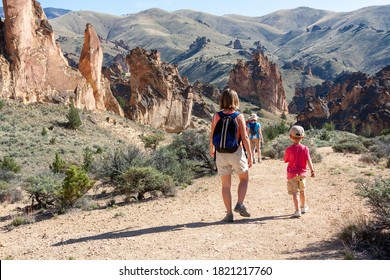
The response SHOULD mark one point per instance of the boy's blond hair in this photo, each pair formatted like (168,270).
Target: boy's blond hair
(229,100)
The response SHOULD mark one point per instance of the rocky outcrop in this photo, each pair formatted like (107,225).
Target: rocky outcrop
(38,71)
(159,96)
(259,81)
(90,65)
(353,102)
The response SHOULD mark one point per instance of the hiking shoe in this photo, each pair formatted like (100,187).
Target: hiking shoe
(241,209)
(228,218)
(297,214)
(304,209)
(259,160)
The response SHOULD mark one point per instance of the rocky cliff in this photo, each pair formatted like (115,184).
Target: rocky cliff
(33,68)
(260,82)
(352,102)
(159,96)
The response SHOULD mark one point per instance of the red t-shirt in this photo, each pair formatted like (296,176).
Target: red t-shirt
(297,156)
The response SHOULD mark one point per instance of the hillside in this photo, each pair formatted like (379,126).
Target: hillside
(323,41)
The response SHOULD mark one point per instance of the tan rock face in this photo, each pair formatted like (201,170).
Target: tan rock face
(90,65)
(259,81)
(354,102)
(38,69)
(159,96)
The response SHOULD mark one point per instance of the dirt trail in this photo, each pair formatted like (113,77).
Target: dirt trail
(188,226)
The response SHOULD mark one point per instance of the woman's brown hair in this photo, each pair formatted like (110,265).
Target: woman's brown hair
(229,100)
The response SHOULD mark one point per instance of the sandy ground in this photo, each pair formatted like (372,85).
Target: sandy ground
(188,226)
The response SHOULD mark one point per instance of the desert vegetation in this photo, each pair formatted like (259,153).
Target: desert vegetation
(101,164)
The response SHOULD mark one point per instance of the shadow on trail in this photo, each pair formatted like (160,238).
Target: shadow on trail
(125,233)
(322,250)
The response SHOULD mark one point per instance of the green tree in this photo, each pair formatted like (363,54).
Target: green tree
(73,117)
(58,164)
(75,185)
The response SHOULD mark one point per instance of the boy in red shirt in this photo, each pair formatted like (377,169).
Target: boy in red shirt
(298,156)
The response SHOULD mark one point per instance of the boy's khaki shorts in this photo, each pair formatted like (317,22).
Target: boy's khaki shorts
(296,184)
(229,162)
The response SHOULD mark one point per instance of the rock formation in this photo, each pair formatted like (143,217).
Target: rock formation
(353,102)
(159,96)
(37,70)
(259,81)
(90,65)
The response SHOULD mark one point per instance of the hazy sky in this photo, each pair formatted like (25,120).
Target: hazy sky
(215,7)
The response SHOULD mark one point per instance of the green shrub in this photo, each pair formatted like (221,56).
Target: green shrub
(372,236)
(193,145)
(44,188)
(272,131)
(141,180)
(121,101)
(329,126)
(1,104)
(350,145)
(276,148)
(151,141)
(9,164)
(369,159)
(114,164)
(87,160)
(73,117)
(378,198)
(9,193)
(75,185)
(22,220)
(58,165)
(168,161)
(44,131)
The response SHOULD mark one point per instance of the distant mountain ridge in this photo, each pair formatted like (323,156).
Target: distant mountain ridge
(308,45)
(50,13)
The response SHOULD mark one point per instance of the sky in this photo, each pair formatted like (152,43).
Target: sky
(215,7)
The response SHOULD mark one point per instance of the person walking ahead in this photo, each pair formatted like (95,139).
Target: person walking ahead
(229,152)
(298,157)
(255,136)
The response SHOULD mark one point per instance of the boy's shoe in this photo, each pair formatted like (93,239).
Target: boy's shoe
(297,214)
(228,218)
(304,209)
(241,209)
(259,160)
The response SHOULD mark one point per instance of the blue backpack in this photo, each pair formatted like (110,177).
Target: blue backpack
(225,137)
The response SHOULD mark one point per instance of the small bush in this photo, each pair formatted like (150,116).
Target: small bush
(113,165)
(73,117)
(9,164)
(88,160)
(351,145)
(22,220)
(329,127)
(369,159)
(378,198)
(58,165)
(44,188)
(141,180)
(152,141)
(1,104)
(9,193)
(273,131)
(75,185)
(372,236)
(192,145)
(44,131)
